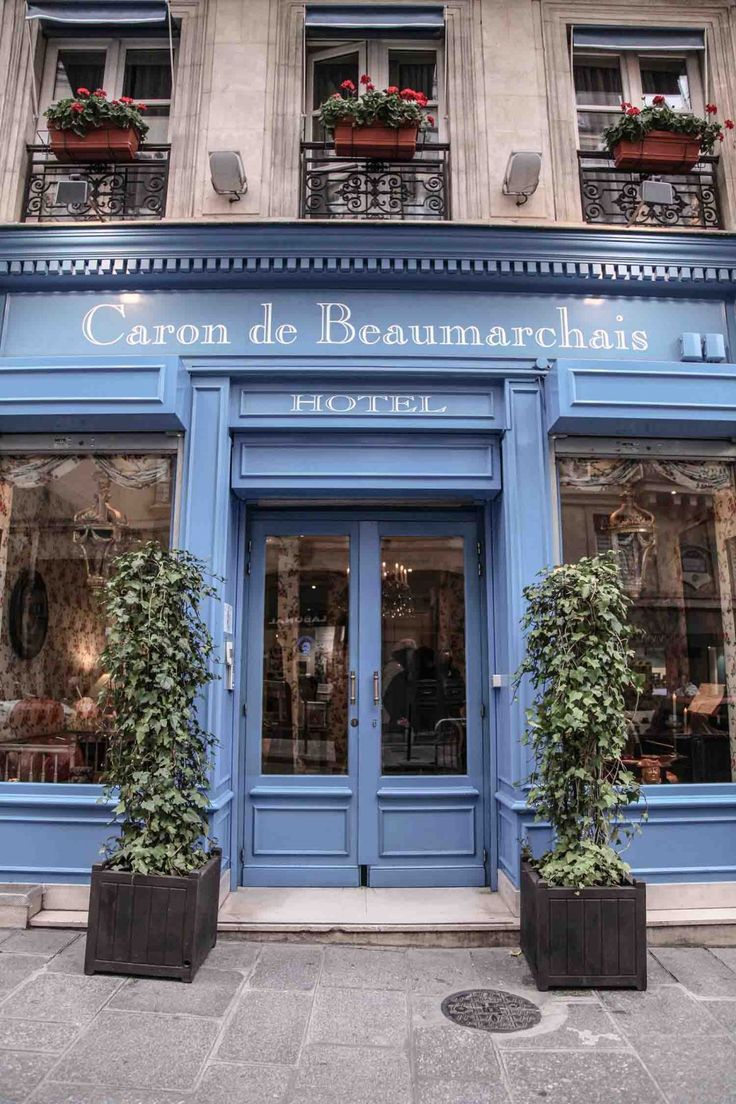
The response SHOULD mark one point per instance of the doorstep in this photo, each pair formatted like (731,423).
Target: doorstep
(430,917)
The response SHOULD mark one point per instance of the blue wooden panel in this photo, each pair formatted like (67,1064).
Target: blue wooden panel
(428,463)
(426,829)
(666,397)
(98,393)
(688,837)
(299,829)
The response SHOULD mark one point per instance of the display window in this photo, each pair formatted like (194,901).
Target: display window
(672,525)
(63,520)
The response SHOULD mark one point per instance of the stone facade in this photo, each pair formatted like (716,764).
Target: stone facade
(239,86)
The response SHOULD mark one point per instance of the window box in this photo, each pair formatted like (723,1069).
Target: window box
(660,151)
(375,141)
(584,938)
(105,143)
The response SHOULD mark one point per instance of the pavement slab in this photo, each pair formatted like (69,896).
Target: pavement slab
(365,968)
(287,966)
(561,1077)
(669,1011)
(63,998)
(54,1092)
(243,1084)
(139,1050)
(358,1075)
(460,1092)
(39,941)
(452,1053)
(441,971)
(21,1071)
(267,1026)
(359,1017)
(702,1072)
(578,1027)
(233,954)
(699,970)
(32,1035)
(209,994)
(14,969)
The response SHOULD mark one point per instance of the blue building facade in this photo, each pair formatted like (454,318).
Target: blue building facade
(375,436)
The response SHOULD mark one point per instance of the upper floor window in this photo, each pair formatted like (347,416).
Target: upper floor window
(405,64)
(603,81)
(633,64)
(122,67)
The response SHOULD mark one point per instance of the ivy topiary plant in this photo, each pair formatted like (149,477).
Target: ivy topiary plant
(158,655)
(578,660)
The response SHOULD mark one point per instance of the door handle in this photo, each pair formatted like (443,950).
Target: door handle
(376,689)
(352,688)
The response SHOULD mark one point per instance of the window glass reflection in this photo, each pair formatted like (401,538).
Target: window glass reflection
(423,655)
(673,526)
(63,519)
(305,655)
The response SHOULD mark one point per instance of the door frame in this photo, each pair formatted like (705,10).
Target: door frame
(414,515)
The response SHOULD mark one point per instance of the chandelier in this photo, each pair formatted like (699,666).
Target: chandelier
(97,529)
(632,539)
(398,600)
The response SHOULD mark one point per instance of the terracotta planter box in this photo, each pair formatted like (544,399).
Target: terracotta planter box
(380,142)
(584,938)
(152,925)
(660,152)
(100,144)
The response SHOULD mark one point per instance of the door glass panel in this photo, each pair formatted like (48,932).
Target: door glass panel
(423,675)
(305,655)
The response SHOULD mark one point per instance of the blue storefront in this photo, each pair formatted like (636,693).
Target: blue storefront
(375,436)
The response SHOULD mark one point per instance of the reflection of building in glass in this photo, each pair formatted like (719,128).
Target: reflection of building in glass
(682,516)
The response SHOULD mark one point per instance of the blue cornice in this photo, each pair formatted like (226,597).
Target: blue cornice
(191,254)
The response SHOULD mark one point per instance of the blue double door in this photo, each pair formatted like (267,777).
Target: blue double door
(364,711)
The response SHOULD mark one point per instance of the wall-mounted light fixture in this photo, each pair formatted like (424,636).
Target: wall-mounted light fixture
(522,175)
(228,174)
(656,192)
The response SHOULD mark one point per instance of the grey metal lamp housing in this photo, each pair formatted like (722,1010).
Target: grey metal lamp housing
(228,174)
(522,174)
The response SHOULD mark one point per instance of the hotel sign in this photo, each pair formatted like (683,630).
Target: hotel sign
(388,325)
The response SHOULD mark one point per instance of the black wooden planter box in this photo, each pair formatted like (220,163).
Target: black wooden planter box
(152,925)
(589,938)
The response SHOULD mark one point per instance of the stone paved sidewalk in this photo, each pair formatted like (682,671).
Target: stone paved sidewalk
(278,1023)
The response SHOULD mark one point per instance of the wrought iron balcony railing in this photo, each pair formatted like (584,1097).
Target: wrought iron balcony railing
(95,191)
(358,188)
(612,195)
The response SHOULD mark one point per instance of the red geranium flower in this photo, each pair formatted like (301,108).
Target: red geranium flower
(141,107)
(83,92)
(370,87)
(729,124)
(633,111)
(408,94)
(657,100)
(721,137)
(365,79)
(77,107)
(99,92)
(430,120)
(624,105)
(126,99)
(711,109)
(348,86)
(392,90)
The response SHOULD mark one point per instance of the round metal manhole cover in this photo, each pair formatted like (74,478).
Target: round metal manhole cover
(491,1010)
